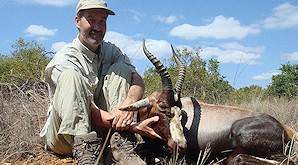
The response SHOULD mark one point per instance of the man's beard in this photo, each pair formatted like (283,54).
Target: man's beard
(93,38)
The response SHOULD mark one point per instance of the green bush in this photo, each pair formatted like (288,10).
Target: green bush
(247,94)
(285,84)
(26,62)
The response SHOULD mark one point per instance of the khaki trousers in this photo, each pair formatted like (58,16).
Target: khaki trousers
(69,111)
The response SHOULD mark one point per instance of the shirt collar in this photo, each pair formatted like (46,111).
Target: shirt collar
(86,51)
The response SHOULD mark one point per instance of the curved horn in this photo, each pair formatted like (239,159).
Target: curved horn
(136,106)
(181,74)
(160,68)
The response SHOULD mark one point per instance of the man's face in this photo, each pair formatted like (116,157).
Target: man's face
(92,27)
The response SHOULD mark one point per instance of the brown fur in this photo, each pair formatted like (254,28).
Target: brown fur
(291,132)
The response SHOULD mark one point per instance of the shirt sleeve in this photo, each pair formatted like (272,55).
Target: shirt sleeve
(58,69)
(55,75)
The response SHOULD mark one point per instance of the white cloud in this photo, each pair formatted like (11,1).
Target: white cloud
(290,56)
(167,20)
(58,45)
(233,53)
(284,16)
(225,53)
(58,3)
(237,46)
(265,76)
(40,31)
(133,48)
(220,28)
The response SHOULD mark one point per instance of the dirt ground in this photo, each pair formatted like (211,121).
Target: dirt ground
(44,159)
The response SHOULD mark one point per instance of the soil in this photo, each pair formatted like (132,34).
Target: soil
(44,159)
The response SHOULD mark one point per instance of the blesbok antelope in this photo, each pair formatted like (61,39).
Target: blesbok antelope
(245,133)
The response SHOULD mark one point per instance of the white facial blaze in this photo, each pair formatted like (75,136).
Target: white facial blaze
(176,129)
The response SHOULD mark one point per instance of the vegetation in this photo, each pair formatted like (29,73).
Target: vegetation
(26,63)
(204,81)
(23,100)
(247,94)
(285,84)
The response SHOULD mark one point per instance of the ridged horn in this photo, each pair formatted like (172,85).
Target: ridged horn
(160,68)
(136,106)
(181,74)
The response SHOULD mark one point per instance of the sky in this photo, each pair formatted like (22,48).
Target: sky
(250,38)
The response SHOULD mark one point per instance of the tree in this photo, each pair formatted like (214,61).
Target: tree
(26,63)
(285,84)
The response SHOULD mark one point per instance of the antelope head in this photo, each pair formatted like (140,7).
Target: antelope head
(165,103)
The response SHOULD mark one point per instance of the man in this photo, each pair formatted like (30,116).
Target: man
(86,78)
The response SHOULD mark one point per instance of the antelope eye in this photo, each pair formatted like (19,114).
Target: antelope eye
(163,105)
(163,108)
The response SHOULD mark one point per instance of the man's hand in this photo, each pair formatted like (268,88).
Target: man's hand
(122,120)
(143,127)
(100,118)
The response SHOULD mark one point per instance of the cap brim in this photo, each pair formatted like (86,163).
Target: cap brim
(109,11)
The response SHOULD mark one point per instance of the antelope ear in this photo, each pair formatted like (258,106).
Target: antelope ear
(136,106)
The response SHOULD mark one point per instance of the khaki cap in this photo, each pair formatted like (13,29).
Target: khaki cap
(93,4)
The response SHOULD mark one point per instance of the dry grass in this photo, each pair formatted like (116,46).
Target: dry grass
(22,114)
(286,111)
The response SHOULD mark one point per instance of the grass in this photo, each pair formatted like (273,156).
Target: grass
(289,151)
(22,115)
(204,155)
(285,111)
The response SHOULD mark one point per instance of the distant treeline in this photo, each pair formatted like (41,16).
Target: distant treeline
(203,80)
